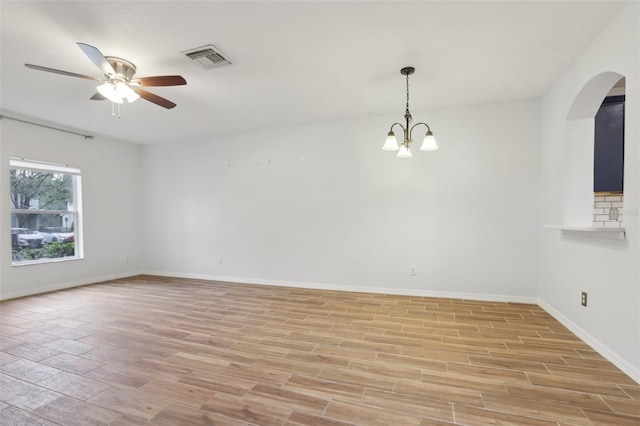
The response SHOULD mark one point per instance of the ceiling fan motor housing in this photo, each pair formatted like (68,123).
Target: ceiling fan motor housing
(123,68)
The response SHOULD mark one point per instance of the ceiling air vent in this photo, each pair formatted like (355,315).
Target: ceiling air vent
(207,57)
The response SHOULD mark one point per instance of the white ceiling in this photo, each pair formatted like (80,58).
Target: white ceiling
(293,62)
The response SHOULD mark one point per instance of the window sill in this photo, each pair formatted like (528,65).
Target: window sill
(607,233)
(43,261)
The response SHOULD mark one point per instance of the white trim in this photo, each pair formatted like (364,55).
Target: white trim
(351,288)
(45,260)
(22,163)
(78,220)
(62,286)
(590,232)
(609,233)
(629,369)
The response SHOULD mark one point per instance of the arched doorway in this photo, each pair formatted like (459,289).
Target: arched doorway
(580,206)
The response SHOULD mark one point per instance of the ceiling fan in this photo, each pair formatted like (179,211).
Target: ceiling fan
(118,84)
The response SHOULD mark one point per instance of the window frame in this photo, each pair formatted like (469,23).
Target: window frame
(76,175)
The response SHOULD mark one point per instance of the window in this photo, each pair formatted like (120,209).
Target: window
(46,206)
(608,167)
(608,160)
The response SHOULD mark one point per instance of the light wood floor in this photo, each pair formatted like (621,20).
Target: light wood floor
(149,350)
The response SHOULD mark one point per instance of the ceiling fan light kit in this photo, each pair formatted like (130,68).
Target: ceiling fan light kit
(404,149)
(117,92)
(117,89)
(118,84)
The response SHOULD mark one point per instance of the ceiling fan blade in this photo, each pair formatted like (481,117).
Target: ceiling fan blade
(153,98)
(53,70)
(97,58)
(162,80)
(98,97)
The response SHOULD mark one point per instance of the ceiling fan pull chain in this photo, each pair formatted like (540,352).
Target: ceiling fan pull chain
(113,109)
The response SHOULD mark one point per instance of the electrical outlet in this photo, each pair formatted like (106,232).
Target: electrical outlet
(583,299)
(412,270)
(220,260)
(613,213)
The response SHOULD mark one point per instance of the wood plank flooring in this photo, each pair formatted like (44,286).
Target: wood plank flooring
(159,351)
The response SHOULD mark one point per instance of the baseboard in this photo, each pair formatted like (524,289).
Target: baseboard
(351,288)
(62,286)
(629,369)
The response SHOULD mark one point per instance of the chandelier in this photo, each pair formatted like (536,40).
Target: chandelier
(391,143)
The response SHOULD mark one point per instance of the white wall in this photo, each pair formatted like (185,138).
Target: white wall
(321,205)
(607,270)
(111,201)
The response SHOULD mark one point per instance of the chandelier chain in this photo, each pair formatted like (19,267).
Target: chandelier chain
(407,114)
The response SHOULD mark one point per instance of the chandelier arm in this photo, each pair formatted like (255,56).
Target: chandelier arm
(417,124)
(405,131)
